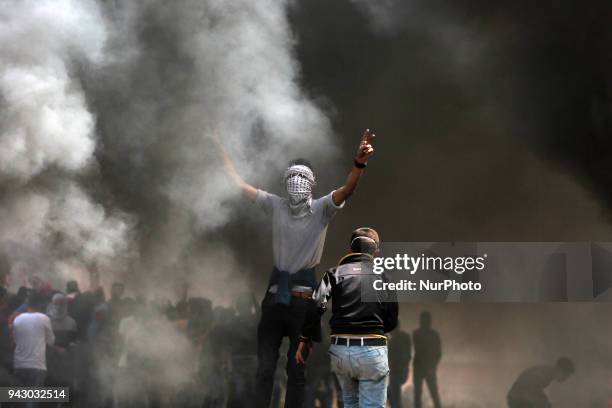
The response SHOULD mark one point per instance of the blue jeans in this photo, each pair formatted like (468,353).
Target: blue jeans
(363,373)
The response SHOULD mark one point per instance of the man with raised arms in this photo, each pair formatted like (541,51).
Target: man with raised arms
(299,225)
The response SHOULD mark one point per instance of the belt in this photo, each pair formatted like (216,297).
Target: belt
(358,341)
(302,294)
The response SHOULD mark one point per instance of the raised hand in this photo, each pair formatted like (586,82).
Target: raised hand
(365,150)
(247,189)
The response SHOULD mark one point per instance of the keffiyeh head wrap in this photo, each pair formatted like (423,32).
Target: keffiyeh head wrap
(58,309)
(299,181)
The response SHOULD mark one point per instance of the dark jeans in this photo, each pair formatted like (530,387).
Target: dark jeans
(278,321)
(30,377)
(432,383)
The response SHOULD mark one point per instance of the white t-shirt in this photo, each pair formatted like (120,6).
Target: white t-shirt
(297,242)
(32,333)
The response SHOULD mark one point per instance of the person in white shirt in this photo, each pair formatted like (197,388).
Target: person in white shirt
(32,333)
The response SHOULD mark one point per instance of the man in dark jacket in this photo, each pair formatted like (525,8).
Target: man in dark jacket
(358,343)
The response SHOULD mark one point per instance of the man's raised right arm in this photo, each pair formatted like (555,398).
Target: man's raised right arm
(248,190)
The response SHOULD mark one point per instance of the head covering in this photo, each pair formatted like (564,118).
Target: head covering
(72,286)
(299,181)
(58,309)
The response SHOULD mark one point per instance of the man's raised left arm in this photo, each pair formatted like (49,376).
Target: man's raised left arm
(364,153)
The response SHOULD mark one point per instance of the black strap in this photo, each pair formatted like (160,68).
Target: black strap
(360,165)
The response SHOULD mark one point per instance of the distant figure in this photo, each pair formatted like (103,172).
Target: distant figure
(116,302)
(32,333)
(18,299)
(243,350)
(60,359)
(528,390)
(181,309)
(100,337)
(72,288)
(400,353)
(64,326)
(6,347)
(427,354)
(5,314)
(76,309)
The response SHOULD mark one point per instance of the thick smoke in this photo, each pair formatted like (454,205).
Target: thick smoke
(45,120)
(59,233)
(50,223)
(177,72)
(109,108)
(484,127)
(106,160)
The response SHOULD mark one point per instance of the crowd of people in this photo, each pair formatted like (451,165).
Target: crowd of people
(108,350)
(83,344)
(81,340)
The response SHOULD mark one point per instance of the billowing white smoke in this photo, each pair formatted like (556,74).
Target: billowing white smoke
(60,233)
(116,101)
(177,72)
(198,66)
(45,120)
(50,225)
(153,80)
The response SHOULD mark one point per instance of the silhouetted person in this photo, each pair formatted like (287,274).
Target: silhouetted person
(60,358)
(243,351)
(181,310)
(6,349)
(214,359)
(18,299)
(116,303)
(64,326)
(427,354)
(100,338)
(83,305)
(528,389)
(72,292)
(400,353)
